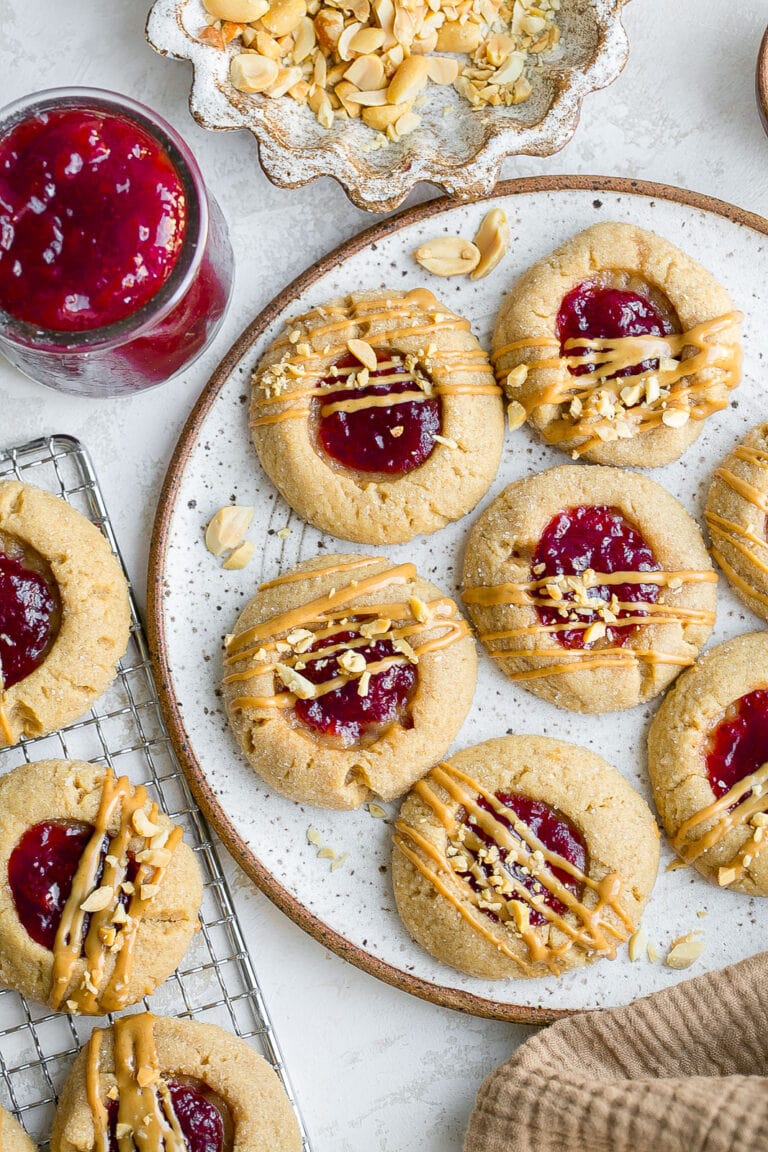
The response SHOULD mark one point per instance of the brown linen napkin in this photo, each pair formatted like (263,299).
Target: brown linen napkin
(679,1071)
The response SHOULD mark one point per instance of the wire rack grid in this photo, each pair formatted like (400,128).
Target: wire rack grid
(216,982)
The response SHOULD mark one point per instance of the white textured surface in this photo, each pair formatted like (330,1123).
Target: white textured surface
(374,1068)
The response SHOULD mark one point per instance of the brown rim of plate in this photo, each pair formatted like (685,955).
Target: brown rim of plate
(761,81)
(206,798)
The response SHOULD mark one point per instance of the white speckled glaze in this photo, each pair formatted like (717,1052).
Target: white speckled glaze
(461,151)
(200,603)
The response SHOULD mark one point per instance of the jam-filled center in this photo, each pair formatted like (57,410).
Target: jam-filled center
(585,542)
(491,861)
(609,307)
(203,1117)
(42,869)
(92,218)
(364,705)
(366,428)
(738,745)
(30,610)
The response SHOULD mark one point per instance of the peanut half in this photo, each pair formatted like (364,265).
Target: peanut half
(492,239)
(227,528)
(448,256)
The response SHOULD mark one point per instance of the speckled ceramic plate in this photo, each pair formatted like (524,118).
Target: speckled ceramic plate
(193,602)
(461,152)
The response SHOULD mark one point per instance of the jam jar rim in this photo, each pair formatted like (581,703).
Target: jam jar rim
(145,319)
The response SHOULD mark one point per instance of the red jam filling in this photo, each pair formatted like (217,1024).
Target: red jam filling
(738,746)
(27,607)
(41,870)
(555,832)
(200,1120)
(343,713)
(92,219)
(600,313)
(392,438)
(598,537)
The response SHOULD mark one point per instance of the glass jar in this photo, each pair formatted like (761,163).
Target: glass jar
(165,332)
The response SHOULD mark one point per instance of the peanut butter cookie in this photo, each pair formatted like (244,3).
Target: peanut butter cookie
(179,1085)
(99,896)
(347,678)
(708,759)
(523,856)
(377,416)
(64,615)
(13,1138)
(590,587)
(617,347)
(736,517)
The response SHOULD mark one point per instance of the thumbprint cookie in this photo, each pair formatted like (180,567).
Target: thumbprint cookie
(737,505)
(165,1085)
(617,347)
(13,1138)
(377,416)
(590,587)
(523,856)
(64,615)
(708,759)
(99,896)
(347,678)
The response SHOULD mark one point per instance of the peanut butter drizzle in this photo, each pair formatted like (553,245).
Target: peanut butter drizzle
(608,357)
(146,1121)
(587,659)
(106,935)
(590,932)
(308,573)
(746,799)
(734,534)
(311,364)
(262,641)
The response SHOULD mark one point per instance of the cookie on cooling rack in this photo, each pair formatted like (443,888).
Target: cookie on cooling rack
(708,759)
(736,517)
(99,896)
(64,614)
(617,347)
(590,587)
(182,1085)
(347,678)
(377,416)
(13,1138)
(523,856)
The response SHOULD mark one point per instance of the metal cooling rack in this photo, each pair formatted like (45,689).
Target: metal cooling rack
(216,981)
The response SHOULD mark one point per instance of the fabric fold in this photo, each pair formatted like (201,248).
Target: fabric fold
(682,1070)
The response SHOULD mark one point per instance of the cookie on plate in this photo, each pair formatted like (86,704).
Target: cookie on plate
(617,347)
(736,517)
(523,856)
(99,896)
(708,759)
(13,1138)
(347,678)
(64,615)
(590,587)
(182,1086)
(377,416)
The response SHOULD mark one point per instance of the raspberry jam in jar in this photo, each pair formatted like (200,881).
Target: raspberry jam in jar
(115,265)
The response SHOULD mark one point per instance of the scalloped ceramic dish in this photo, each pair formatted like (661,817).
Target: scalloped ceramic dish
(461,152)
